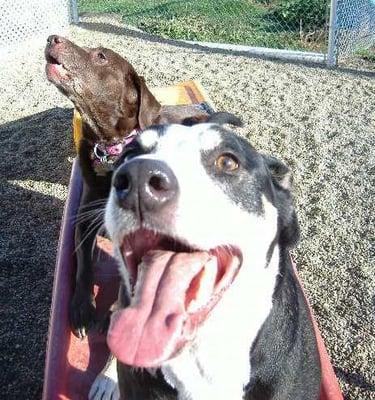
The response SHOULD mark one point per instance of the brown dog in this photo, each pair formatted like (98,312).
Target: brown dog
(113,101)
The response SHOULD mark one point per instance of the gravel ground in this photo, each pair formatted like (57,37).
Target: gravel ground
(321,122)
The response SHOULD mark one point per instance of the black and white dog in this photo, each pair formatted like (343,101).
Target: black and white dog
(202,225)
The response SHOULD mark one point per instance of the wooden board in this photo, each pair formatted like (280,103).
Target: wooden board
(72,364)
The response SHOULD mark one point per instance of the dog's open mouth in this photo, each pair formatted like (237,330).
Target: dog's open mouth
(175,287)
(55,69)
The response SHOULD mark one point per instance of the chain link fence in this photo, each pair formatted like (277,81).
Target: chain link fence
(21,20)
(306,29)
(329,29)
(278,24)
(352,29)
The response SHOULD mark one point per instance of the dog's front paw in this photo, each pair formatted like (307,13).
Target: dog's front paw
(82,313)
(105,386)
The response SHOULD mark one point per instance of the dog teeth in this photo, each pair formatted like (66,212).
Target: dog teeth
(61,69)
(206,286)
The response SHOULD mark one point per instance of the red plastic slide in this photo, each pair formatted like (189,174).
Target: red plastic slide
(72,364)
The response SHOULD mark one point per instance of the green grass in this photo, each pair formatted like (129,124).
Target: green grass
(367,55)
(246,22)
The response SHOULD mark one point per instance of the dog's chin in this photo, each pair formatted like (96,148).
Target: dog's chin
(56,72)
(175,288)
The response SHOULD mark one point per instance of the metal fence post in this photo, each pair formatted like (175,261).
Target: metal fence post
(74,11)
(332,39)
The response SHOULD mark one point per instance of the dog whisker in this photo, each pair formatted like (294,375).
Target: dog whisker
(93,208)
(94,225)
(87,215)
(94,203)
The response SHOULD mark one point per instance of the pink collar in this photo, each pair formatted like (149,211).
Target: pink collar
(104,155)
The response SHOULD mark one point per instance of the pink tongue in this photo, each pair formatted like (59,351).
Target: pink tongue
(151,329)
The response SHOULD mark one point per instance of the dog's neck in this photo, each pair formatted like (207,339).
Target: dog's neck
(98,136)
(102,154)
(217,364)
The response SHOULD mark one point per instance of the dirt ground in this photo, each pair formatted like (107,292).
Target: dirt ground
(320,122)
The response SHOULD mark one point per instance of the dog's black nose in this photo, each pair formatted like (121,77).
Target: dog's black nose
(145,185)
(54,39)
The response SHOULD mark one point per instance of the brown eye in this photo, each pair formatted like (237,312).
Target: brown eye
(101,56)
(227,163)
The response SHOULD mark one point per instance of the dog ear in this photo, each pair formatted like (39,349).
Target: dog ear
(149,107)
(280,173)
(282,180)
(220,118)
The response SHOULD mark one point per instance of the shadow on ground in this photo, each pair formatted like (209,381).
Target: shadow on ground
(354,379)
(35,152)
